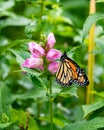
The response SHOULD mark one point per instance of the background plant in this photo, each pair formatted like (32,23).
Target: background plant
(23,99)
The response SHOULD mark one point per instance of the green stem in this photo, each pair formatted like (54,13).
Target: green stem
(91,57)
(42,8)
(51,107)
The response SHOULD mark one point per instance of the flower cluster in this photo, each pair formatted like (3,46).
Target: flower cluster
(38,52)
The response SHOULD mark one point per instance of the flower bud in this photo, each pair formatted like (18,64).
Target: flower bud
(53,67)
(33,62)
(36,50)
(53,54)
(50,41)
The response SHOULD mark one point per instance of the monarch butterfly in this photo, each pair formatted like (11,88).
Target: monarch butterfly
(69,72)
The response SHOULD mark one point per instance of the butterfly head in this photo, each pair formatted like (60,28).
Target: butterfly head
(63,57)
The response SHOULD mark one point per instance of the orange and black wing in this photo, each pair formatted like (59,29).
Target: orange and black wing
(69,72)
(64,75)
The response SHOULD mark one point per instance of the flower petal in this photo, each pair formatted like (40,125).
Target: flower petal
(50,41)
(36,50)
(33,63)
(53,54)
(53,67)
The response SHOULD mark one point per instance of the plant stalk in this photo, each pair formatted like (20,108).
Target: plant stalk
(51,107)
(91,57)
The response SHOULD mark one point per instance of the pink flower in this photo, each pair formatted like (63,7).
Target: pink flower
(53,54)
(33,62)
(36,50)
(53,67)
(50,41)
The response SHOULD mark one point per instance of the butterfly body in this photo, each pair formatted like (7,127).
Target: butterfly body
(69,72)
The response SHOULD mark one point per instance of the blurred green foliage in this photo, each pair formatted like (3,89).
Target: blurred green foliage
(22,21)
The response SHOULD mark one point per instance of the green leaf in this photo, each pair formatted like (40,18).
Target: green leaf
(5,100)
(98,52)
(38,82)
(23,118)
(99,46)
(55,121)
(74,49)
(12,44)
(100,94)
(65,31)
(99,0)
(4,125)
(93,124)
(58,122)
(92,107)
(91,19)
(33,27)
(32,72)
(5,69)
(18,116)
(34,93)
(14,21)
(6,5)
(63,19)
(32,124)
(20,55)
(74,4)
(69,91)
(5,118)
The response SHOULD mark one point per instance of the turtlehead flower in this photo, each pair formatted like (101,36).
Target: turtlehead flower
(50,41)
(53,54)
(36,50)
(53,67)
(33,62)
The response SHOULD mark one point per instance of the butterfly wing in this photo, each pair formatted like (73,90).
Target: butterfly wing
(78,74)
(69,72)
(64,75)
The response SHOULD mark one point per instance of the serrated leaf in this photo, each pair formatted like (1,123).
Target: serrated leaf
(91,19)
(93,124)
(38,82)
(92,107)
(32,72)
